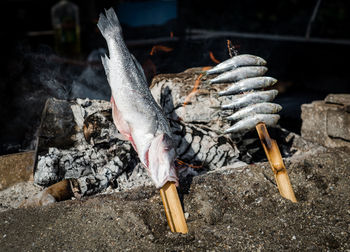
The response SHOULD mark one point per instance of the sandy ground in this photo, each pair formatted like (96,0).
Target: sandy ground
(231,209)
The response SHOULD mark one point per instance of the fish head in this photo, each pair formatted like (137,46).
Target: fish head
(161,158)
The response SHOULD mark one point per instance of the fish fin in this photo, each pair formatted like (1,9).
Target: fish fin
(109,24)
(139,67)
(105,63)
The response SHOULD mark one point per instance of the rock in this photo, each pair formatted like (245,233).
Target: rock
(171,90)
(327,122)
(57,125)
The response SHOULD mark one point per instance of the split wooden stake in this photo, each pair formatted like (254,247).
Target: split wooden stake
(173,208)
(275,159)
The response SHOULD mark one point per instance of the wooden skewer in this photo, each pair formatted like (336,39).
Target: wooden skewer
(173,208)
(275,159)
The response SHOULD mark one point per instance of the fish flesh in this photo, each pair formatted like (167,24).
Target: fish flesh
(136,114)
(249,123)
(237,61)
(239,74)
(244,100)
(249,84)
(259,108)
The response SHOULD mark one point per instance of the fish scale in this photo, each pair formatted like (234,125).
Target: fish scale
(254,106)
(135,112)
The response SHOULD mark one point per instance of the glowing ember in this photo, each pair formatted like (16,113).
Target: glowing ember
(211,55)
(157,48)
(195,88)
(181,164)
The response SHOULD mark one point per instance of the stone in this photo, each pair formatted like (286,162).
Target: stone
(57,125)
(327,122)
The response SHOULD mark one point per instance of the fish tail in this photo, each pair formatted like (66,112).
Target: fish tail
(109,24)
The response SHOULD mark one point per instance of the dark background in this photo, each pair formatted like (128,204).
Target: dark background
(307,69)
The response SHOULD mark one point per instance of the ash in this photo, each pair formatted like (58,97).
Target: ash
(102,161)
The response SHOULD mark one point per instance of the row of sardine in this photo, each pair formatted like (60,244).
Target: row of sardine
(246,72)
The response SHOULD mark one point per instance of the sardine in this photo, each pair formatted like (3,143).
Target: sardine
(244,100)
(259,108)
(237,61)
(135,112)
(239,74)
(249,84)
(249,123)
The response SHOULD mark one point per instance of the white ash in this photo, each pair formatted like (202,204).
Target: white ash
(105,161)
(13,196)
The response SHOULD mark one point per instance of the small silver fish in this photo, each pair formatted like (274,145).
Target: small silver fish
(249,123)
(237,61)
(135,112)
(259,108)
(244,100)
(249,84)
(239,74)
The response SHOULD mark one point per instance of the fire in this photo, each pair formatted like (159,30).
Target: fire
(157,48)
(181,164)
(211,55)
(195,88)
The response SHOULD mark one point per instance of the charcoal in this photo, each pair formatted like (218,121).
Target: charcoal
(103,161)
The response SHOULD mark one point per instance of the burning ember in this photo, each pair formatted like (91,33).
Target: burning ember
(158,48)
(211,55)
(195,88)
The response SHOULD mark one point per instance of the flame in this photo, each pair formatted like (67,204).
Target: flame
(195,88)
(180,163)
(157,48)
(211,55)
(171,34)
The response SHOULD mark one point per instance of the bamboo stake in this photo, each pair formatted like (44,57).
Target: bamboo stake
(173,208)
(276,162)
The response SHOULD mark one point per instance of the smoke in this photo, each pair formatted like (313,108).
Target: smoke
(34,76)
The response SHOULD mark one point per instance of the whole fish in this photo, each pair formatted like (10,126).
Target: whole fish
(239,74)
(249,84)
(259,108)
(237,61)
(249,123)
(135,112)
(244,100)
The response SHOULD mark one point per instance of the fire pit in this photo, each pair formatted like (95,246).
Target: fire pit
(77,139)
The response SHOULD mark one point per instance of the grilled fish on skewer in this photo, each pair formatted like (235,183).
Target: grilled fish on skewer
(237,61)
(247,72)
(255,116)
(135,112)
